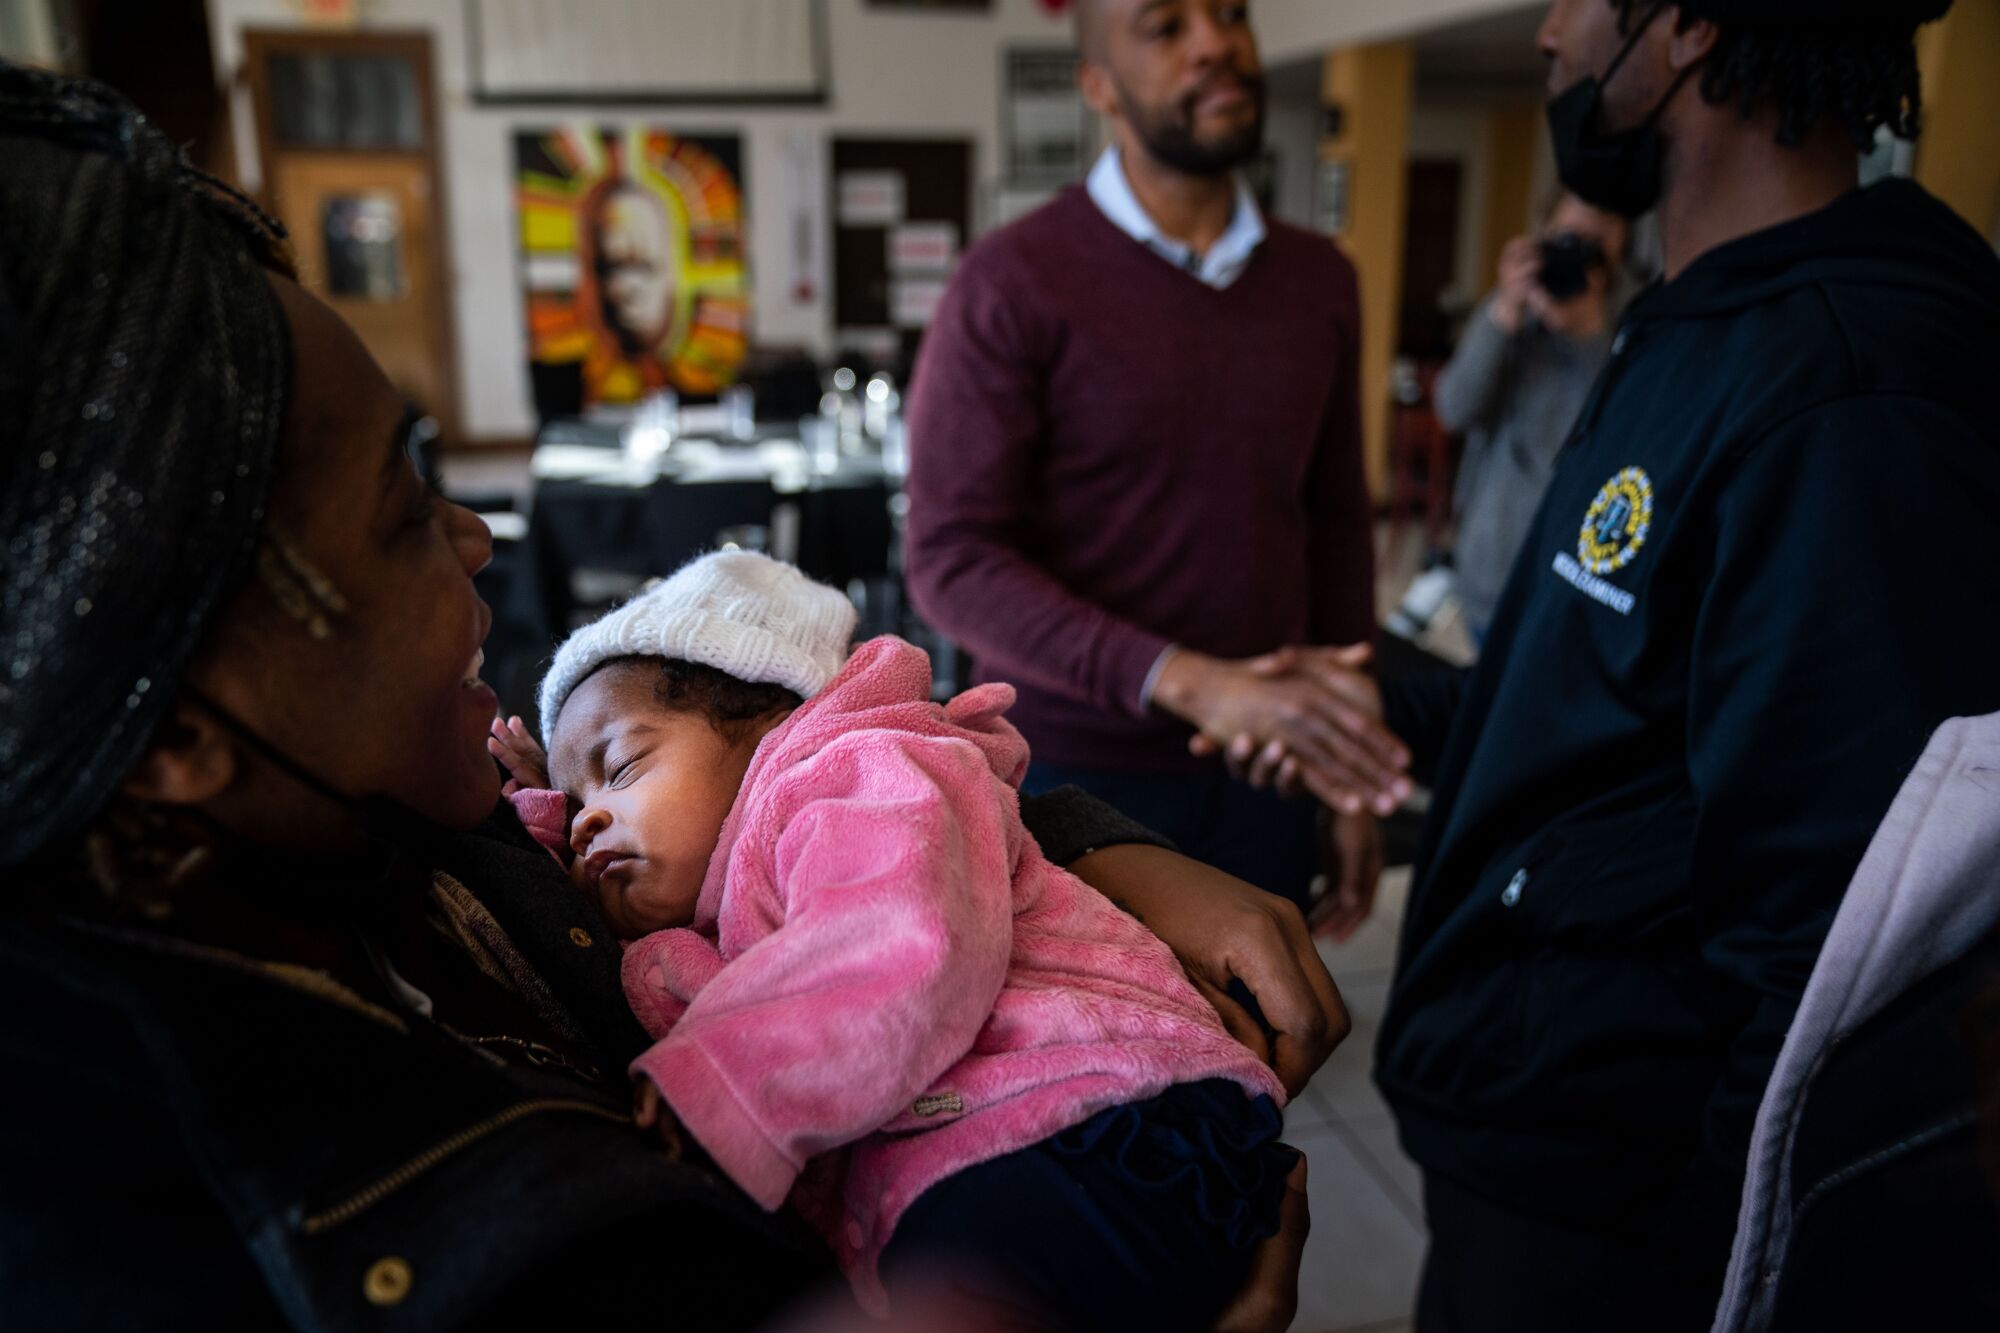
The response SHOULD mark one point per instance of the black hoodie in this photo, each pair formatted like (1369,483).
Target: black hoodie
(1767,568)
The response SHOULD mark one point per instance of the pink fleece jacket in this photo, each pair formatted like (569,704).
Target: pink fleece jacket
(886,981)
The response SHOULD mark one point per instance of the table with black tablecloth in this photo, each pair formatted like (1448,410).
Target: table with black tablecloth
(834,523)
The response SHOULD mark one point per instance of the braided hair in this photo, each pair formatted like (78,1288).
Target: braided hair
(145,373)
(1862,75)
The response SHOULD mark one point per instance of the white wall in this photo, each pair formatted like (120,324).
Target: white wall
(28,32)
(893,73)
(1291,130)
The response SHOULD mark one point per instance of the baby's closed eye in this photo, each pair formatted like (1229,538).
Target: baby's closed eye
(619,770)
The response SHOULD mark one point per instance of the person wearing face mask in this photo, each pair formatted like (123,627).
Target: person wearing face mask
(1757,584)
(1517,381)
(1135,468)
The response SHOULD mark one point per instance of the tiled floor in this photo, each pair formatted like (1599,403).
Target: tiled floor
(1361,1263)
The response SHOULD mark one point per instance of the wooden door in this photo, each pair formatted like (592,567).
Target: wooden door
(1430,257)
(347,134)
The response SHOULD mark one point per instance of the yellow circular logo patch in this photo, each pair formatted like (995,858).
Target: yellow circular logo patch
(1617,524)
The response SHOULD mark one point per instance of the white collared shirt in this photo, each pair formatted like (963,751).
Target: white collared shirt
(1225,260)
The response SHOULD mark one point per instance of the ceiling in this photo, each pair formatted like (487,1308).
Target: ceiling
(1483,57)
(1485,54)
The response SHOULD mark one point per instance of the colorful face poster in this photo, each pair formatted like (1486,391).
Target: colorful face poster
(632,254)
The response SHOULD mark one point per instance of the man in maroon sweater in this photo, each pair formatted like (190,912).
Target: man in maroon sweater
(1136,468)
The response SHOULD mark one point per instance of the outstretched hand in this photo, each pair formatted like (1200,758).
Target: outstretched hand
(520,753)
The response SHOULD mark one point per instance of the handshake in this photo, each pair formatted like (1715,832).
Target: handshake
(1305,720)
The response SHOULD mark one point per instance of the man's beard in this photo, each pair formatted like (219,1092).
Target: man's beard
(1169,137)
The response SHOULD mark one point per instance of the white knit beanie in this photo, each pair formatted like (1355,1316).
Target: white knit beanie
(744,614)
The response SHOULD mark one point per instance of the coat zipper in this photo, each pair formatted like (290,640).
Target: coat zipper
(361,1201)
(1593,403)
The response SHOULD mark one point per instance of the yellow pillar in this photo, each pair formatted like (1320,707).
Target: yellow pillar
(1371,88)
(1513,133)
(1958,155)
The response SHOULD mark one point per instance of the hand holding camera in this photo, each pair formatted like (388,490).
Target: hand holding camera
(1551,278)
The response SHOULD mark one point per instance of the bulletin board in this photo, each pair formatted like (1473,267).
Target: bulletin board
(902,213)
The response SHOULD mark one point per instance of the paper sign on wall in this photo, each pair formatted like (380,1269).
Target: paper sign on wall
(923,247)
(913,302)
(879,345)
(871,198)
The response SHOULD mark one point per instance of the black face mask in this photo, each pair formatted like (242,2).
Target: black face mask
(1621,173)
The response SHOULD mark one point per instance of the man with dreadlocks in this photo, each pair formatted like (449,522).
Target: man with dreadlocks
(1763,575)
(289,1037)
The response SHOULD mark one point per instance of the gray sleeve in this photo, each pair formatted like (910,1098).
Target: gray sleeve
(1467,387)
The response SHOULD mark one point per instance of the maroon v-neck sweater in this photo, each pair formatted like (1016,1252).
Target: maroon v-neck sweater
(1108,456)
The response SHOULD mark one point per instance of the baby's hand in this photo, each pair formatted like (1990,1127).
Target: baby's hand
(521,753)
(649,1111)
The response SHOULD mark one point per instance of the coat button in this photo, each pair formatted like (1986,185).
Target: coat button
(579,937)
(1618,343)
(387,1281)
(1512,893)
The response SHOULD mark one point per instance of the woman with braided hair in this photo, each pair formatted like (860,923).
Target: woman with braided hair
(299,1028)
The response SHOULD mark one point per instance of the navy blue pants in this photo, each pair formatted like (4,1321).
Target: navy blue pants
(1142,1217)
(1254,835)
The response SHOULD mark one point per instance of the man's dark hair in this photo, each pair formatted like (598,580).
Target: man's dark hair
(1862,75)
(729,704)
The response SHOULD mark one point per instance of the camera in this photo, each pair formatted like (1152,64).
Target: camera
(1567,262)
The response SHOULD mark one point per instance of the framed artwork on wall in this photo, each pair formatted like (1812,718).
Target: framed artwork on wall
(632,247)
